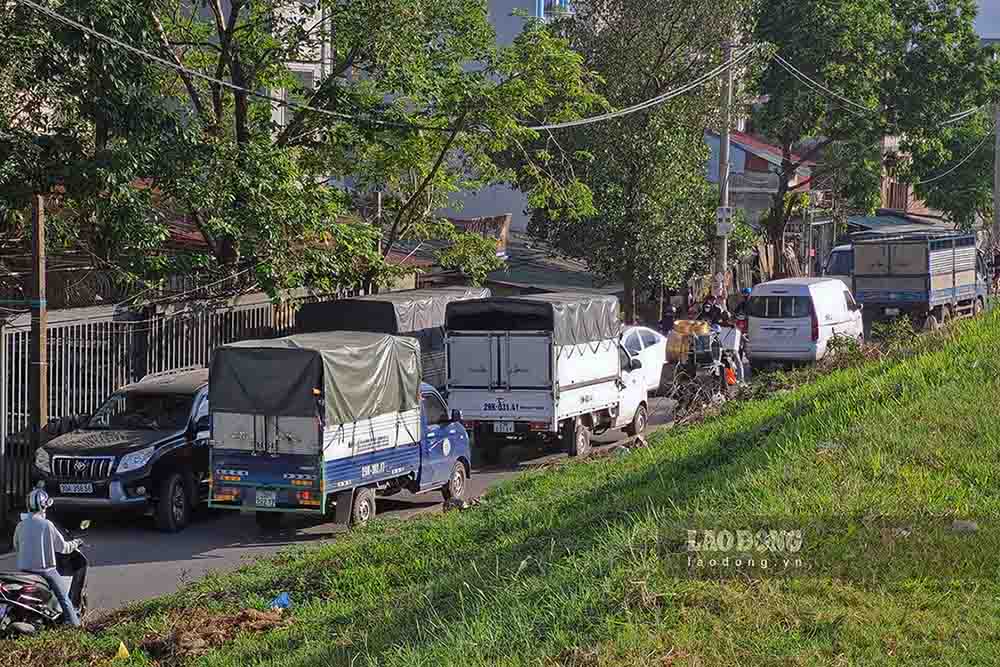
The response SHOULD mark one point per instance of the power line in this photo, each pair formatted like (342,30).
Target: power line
(659,99)
(989,135)
(219,82)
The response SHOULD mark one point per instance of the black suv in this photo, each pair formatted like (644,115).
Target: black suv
(146,449)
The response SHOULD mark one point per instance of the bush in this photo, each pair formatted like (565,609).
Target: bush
(895,334)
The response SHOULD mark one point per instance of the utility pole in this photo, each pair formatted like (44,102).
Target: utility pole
(724,216)
(38,375)
(996,178)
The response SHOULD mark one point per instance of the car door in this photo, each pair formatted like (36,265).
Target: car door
(202,421)
(634,387)
(436,453)
(653,356)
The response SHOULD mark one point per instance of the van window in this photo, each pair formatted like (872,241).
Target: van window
(840,263)
(849,298)
(780,307)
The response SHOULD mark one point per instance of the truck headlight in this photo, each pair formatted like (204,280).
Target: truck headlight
(136,460)
(42,461)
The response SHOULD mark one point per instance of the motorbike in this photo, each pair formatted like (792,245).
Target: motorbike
(27,602)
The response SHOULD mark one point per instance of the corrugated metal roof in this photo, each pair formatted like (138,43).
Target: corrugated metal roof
(534,265)
(892,224)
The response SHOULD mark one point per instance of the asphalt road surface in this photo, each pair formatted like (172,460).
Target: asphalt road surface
(130,560)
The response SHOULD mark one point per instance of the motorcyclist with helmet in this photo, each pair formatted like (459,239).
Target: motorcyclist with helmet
(37,541)
(743,307)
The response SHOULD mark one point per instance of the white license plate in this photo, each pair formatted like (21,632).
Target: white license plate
(503,427)
(892,311)
(76,488)
(267,498)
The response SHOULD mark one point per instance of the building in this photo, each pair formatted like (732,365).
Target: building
(754,166)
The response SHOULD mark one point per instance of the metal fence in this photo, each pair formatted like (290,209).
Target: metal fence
(93,351)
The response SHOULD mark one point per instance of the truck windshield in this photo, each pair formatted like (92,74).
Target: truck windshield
(840,263)
(136,410)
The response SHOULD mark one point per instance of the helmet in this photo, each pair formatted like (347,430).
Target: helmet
(745,291)
(39,501)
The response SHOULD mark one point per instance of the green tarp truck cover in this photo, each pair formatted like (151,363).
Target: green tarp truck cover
(359,375)
(572,317)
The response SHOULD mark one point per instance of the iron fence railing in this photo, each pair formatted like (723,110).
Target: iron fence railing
(93,351)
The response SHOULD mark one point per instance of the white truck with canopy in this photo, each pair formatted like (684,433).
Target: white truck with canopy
(546,365)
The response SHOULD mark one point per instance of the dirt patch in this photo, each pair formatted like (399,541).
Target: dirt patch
(57,653)
(196,632)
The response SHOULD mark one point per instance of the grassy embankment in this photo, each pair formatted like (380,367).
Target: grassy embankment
(584,564)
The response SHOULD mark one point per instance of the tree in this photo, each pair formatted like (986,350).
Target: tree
(953,170)
(407,97)
(891,67)
(654,208)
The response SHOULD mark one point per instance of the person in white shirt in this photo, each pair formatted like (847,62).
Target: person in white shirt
(37,541)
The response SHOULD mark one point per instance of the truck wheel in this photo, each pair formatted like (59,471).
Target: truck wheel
(173,508)
(580,445)
(363,507)
(639,421)
(455,488)
(268,520)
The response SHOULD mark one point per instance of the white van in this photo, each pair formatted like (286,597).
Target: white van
(794,319)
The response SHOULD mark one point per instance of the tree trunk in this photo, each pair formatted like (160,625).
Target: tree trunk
(629,305)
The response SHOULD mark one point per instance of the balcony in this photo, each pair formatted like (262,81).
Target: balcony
(554,9)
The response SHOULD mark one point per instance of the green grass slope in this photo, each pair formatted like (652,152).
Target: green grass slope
(586,564)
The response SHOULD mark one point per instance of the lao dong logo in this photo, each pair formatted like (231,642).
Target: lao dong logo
(744,550)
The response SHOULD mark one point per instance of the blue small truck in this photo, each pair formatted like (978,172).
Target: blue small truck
(928,277)
(314,422)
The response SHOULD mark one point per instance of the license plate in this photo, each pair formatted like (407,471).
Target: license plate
(267,498)
(892,311)
(503,427)
(76,488)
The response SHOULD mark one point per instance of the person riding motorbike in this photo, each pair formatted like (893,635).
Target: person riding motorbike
(712,311)
(37,541)
(668,319)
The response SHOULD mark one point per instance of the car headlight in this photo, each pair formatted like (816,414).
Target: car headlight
(136,460)
(42,461)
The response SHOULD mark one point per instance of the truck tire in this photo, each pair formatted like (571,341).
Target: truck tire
(173,506)
(579,445)
(639,421)
(455,488)
(363,506)
(268,520)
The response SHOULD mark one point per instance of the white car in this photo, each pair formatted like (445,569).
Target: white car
(650,347)
(794,319)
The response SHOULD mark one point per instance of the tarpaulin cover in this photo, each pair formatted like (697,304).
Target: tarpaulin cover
(405,312)
(360,374)
(572,317)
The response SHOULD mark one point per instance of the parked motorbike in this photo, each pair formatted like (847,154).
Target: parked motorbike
(27,602)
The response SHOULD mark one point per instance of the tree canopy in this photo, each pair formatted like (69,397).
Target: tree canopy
(654,209)
(409,98)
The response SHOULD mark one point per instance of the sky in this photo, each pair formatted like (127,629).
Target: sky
(988,23)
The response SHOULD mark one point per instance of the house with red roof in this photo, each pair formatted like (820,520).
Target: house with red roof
(754,165)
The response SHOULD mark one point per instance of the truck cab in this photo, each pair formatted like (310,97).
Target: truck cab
(145,450)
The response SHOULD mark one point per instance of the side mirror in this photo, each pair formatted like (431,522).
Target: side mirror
(634,364)
(456,415)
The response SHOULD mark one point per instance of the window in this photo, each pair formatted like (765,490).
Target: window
(841,263)
(648,338)
(434,409)
(780,307)
(134,410)
(632,343)
(849,298)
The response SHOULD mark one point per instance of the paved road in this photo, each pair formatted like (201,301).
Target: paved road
(130,560)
